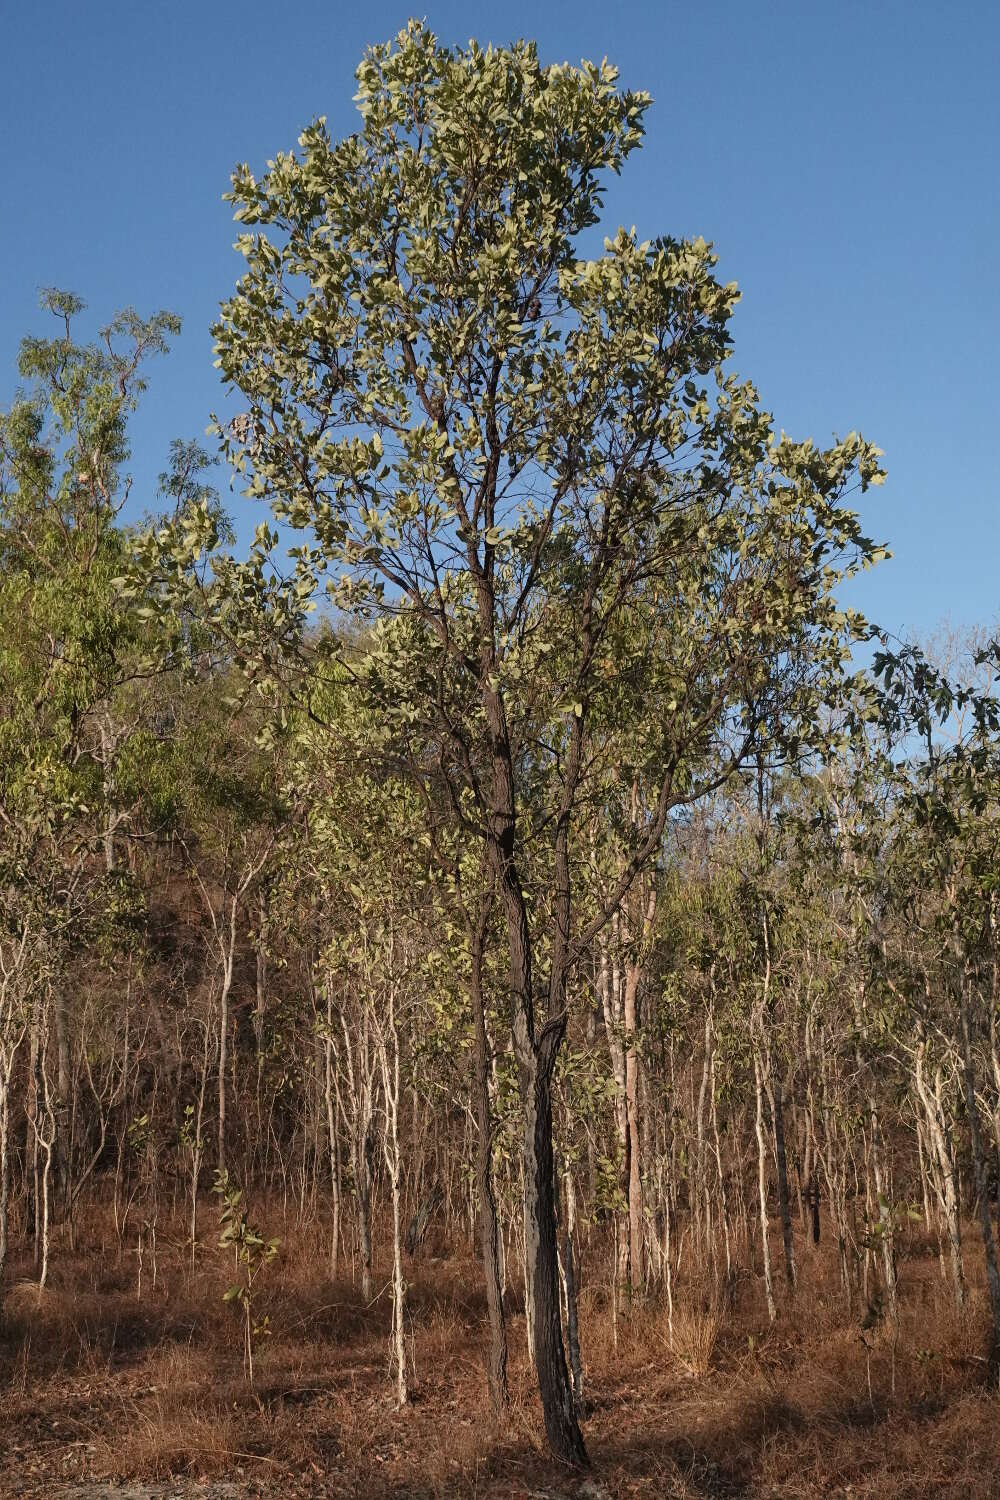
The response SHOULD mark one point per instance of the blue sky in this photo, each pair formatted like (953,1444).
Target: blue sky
(844,157)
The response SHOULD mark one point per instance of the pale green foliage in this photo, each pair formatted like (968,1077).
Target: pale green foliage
(450,400)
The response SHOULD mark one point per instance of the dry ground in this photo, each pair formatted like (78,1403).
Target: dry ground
(103,1394)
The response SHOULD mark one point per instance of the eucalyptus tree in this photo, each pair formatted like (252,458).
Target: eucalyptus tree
(232,818)
(635,708)
(22,959)
(70,654)
(69,644)
(481,426)
(367,857)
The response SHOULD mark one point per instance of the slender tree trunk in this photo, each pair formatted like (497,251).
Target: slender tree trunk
(46,1132)
(228,958)
(33,1109)
(632,976)
(772,1310)
(979,1166)
(723,1192)
(923,1152)
(571,1265)
(945,1181)
(887,1233)
(887,1236)
(60,1106)
(701,1230)
(363,1175)
(610,988)
(784,1202)
(760,1076)
(197,1143)
(109,745)
(5,1071)
(333,1141)
(388,1049)
(359,1067)
(13,1024)
(488,1223)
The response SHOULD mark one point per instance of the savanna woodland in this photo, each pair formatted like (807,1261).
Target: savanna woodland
(499,982)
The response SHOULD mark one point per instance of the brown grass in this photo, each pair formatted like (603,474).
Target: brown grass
(98,1384)
(692,1332)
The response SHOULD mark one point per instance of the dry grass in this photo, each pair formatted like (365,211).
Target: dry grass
(692,1332)
(96,1383)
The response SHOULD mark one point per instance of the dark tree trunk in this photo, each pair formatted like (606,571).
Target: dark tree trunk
(535,1055)
(633,974)
(813,1198)
(570,1271)
(61,1155)
(419,1224)
(31,1111)
(489,1227)
(784,1201)
(363,1175)
(536,1060)
(558,1405)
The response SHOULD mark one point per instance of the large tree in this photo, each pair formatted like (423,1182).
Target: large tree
(483,428)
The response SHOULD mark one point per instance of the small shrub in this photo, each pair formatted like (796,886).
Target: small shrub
(253,1254)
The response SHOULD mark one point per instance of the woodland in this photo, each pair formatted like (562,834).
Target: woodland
(499,976)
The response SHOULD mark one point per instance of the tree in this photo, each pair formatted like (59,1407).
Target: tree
(70,666)
(507,442)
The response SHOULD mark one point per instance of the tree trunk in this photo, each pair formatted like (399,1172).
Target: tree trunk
(772,1310)
(32,1110)
(610,987)
(886,1231)
(632,976)
(784,1202)
(488,1222)
(228,957)
(363,1179)
(944,1179)
(535,1055)
(4,1166)
(979,1165)
(558,1406)
(61,1107)
(535,1060)
(723,1193)
(333,1138)
(570,1264)
(388,1049)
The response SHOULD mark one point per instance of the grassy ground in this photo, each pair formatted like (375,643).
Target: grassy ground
(98,1384)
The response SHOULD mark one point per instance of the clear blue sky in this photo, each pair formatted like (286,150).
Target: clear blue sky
(843,156)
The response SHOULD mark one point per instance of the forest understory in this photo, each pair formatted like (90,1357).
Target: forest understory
(125,1385)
